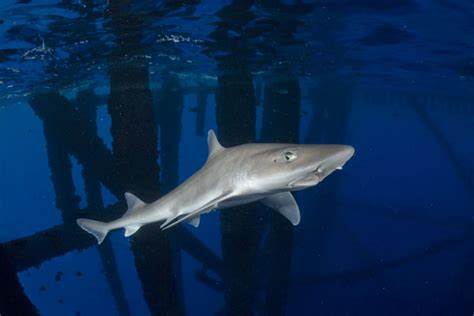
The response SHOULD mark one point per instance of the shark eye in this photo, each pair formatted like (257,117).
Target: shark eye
(290,156)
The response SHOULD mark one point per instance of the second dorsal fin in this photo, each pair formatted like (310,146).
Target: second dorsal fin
(213,144)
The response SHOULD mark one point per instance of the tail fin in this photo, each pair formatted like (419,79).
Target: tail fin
(96,228)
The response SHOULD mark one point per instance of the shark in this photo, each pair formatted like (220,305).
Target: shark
(264,172)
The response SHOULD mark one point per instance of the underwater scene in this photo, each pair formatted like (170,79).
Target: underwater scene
(236,157)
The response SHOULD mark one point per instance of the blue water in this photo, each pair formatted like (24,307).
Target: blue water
(102,97)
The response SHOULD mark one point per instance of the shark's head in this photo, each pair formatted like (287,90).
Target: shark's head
(295,167)
(283,167)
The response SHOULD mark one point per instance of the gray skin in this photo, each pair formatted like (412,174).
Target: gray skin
(233,176)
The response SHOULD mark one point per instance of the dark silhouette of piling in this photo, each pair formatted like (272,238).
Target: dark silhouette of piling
(280,124)
(201,100)
(170,105)
(87,109)
(13,300)
(235,114)
(169,110)
(331,108)
(49,107)
(236,117)
(57,113)
(61,119)
(135,158)
(65,120)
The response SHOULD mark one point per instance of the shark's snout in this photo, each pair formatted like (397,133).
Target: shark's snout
(345,153)
(327,159)
(336,157)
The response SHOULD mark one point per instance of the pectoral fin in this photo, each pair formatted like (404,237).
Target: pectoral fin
(285,204)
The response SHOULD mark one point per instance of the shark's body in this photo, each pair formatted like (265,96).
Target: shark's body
(230,177)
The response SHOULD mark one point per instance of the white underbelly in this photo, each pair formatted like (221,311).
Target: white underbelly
(238,201)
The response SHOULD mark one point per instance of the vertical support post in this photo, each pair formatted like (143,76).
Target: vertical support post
(201,97)
(170,109)
(170,106)
(332,104)
(135,154)
(280,123)
(236,116)
(49,107)
(87,110)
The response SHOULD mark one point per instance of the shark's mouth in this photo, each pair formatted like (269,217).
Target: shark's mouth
(312,178)
(309,180)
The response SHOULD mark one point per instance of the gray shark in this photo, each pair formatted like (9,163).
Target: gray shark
(233,176)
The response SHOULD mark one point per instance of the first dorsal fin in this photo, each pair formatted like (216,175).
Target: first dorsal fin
(213,144)
(133,202)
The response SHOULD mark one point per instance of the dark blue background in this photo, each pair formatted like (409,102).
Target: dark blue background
(400,241)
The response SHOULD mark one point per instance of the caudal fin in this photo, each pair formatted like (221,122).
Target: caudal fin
(96,228)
